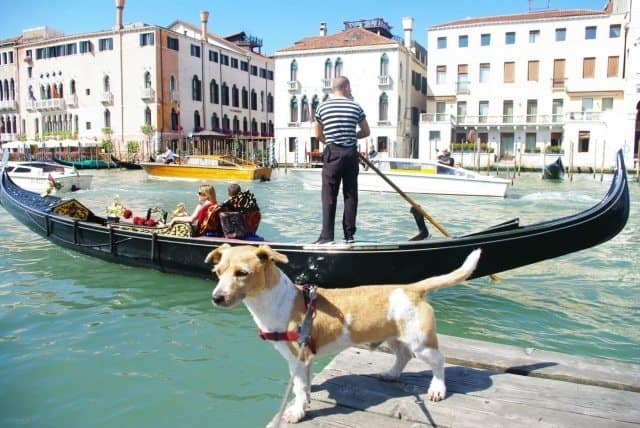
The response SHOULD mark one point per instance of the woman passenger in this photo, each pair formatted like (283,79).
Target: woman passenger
(205,218)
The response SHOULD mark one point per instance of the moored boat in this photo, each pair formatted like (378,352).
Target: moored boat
(208,167)
(415,176)
(86,163)
(40,176)
(505,246)
(554,170)
(125,164)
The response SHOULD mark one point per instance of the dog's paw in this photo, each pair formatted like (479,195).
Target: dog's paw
(437,390)
(293,414)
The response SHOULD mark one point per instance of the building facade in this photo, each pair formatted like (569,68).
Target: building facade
(560,81)
(387,76)
(156,86)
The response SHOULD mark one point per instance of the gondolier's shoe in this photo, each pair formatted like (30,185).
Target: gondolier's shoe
(349,240)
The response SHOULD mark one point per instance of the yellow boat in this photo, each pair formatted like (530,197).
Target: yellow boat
(208,167)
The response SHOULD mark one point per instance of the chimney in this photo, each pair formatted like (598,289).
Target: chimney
(323,29)
(119,9)
(407,26)
(204,18)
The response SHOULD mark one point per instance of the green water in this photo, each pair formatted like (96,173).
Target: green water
(85,343)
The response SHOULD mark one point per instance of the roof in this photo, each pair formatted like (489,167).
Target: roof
(530,16)
(351,37)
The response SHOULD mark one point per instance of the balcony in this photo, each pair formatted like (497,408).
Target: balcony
(384,82)
(462,87)
(294,86)
(558,84)
(52,104)
(106,97)
(293,124)
(7,136)
(326,84)
(8,105)
(437,118)
(71,100)
(148,94)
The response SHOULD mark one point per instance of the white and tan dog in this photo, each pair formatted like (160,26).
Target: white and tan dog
(396,314)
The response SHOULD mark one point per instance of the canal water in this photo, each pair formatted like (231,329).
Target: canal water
(86,343)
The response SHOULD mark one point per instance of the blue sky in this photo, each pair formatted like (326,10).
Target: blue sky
(279,23)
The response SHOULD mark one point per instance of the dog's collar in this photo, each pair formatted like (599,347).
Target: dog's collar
(294,335)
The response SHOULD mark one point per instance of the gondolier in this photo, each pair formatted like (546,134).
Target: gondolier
(335,125)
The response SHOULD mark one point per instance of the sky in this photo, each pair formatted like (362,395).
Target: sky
(279,23)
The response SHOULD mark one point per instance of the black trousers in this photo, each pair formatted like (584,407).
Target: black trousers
(340,164)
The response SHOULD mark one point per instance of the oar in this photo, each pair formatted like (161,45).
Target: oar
(411,201)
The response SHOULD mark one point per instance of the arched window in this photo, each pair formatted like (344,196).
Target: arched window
(107,118)
(383,107)
(1,93)
(12,89)
(43,92)
(254,100)
(60,93)
(304,110)
(215,122)
(214,94)
(245,125)
(225,123)
(196,121)
(294,70)
(254,127)
(48,90)
(314,106)
(72,84)
(147,116)
(236,124)
(172,83)
(196,89)
(338,68)
(174,120)
(261,100)
(293,110)
(235,96)
(269,103)
(5,89)
(271,128)
(384,65)
(245,97)
(106,85)
(225,94)
(147,79)
(327,69)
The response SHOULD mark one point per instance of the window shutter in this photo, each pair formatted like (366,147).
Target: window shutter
(588,68)
(532,73)
(509,72)
(612,66)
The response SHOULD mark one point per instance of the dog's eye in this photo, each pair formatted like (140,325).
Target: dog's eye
(241,272)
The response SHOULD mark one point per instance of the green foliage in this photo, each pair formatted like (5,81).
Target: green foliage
(107,146)
(107,131)
(132,146)
(22,137)
(470,147)
(554,149)
(147,130)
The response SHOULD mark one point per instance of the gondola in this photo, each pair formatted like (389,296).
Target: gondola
(553,170)
(125,164)
(86,163)
(505,246)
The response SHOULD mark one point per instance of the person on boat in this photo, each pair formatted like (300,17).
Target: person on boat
(169,156)
(205,217)
(372,152)
(246,205)
(336,124)
(445,158)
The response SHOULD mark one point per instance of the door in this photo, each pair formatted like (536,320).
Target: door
(506,145)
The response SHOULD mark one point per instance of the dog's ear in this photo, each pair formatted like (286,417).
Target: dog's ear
(216,254)
(265,253)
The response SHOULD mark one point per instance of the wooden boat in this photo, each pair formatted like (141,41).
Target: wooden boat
(208,167)
(125,164)
(505,246)
(86,163)
(553,170)
(41,176)
(416,176)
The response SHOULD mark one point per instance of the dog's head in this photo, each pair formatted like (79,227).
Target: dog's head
(243,271)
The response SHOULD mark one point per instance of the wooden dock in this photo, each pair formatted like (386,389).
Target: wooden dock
(488,385)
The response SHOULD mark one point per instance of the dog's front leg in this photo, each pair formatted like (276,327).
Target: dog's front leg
(300,373)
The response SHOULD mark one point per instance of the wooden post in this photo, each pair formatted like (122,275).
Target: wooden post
(604,143)
(571,162)
(544,155)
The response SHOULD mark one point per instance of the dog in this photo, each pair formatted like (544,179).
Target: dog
(395,314)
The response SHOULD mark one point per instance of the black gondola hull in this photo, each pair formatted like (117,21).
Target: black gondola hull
(505,247)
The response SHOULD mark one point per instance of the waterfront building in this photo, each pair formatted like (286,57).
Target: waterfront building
(388,78)
(561,80)
(156,86)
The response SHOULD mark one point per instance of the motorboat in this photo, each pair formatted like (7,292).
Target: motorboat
(418,176)
(41,176)
(208,167)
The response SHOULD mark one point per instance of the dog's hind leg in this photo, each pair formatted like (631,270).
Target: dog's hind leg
(403,355)
(437,389)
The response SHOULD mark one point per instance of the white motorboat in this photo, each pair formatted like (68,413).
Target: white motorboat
(40,177)
(418,176)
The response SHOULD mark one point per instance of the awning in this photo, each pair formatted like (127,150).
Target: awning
(207,134)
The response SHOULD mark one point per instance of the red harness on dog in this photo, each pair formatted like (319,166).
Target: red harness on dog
(295,335)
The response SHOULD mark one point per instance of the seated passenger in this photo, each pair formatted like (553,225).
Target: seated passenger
(244,203)
(205,218)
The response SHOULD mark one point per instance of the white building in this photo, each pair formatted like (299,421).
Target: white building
(154,85)
(388,79)
(523,82)
(8,90)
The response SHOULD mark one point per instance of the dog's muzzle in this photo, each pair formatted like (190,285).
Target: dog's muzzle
(218,300)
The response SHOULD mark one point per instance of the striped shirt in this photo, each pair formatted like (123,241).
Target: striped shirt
(339,118)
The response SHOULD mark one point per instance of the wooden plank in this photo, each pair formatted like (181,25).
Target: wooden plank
(345,394)
(540,363)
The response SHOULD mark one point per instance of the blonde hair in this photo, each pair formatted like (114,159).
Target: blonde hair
(209,191)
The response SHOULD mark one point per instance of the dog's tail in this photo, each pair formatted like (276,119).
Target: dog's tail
(451,278)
